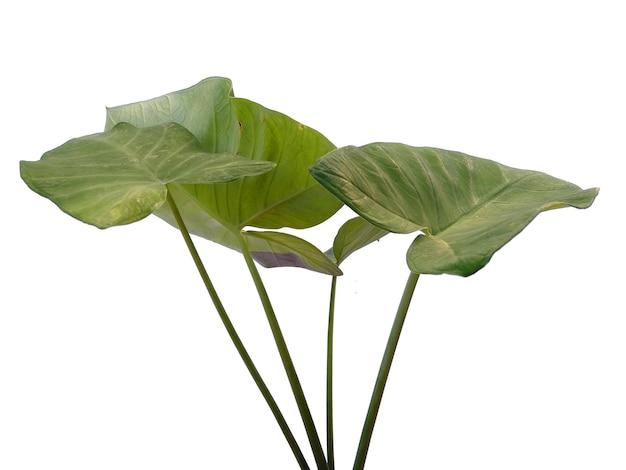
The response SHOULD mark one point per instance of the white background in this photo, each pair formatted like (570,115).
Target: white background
(111,355)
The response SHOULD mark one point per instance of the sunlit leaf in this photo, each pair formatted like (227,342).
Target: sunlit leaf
(205,109)
(289,197)
(466,207)
(120,176)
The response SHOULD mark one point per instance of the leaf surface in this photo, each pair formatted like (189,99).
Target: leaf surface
(120,176)
(466,207)
(204,109)
(274,249)
(289,197)
(353,235)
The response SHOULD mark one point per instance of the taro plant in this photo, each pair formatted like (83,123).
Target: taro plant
(234,172)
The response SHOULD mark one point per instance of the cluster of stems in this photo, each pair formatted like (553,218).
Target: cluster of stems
(323,460)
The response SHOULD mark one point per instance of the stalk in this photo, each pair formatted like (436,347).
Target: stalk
(236,339)
(383,372)
(294,381)
(330,446)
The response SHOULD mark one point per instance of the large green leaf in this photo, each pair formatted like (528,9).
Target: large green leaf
(466,207)
(120,176)
(289,197)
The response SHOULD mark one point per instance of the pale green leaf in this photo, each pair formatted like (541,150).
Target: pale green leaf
(205,109)
(120,176)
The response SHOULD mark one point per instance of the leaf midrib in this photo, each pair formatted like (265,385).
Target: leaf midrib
(484,202)
(273,206)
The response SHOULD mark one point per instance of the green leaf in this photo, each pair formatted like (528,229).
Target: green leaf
(289,197)
(120,176)
(273,249)
(466,207)
(205,109)
(353,235)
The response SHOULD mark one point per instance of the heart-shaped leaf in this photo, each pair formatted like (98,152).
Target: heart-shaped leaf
(290,197)
(467,207)
(120,176)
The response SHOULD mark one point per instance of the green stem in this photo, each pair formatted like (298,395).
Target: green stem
(330,446)
(236,339)
(383,372)
(296,387)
